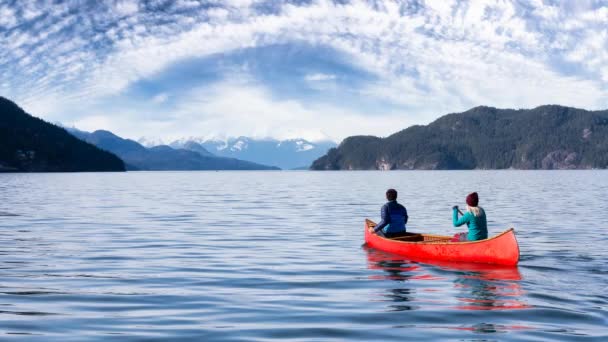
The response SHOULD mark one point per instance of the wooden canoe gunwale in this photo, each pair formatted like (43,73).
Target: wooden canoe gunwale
(370,224)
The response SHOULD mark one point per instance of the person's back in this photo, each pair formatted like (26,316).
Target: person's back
(394,216)
(474,217)
(478,227)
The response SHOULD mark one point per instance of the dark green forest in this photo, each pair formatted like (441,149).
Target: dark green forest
(546,137)
(29,144)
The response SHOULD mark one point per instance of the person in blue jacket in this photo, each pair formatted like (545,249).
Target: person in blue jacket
(394,217)
(475,219)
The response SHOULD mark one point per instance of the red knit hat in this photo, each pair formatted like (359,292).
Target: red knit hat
(473,199)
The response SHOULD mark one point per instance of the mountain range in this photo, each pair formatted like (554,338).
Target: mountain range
(546,137)
(285,154)
(29,144)
(138,157)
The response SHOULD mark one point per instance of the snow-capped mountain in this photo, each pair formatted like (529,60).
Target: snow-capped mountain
(193,146)
(286,154)
(162,157)
(151,141)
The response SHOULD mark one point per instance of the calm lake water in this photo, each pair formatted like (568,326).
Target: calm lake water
(257,256)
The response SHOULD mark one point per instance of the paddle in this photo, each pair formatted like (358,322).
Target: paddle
(460,212)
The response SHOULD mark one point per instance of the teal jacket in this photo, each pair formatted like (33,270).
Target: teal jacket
(478,226)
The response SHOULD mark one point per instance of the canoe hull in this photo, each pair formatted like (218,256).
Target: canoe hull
(501,249)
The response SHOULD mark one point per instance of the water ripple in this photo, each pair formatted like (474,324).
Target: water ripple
(277,256)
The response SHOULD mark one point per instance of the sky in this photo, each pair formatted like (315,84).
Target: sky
(317,69)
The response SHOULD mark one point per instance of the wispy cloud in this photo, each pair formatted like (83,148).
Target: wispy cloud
(66,61)
(320,77)
(126,7)
(160,98)
(252,110)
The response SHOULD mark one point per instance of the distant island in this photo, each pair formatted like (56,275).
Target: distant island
(546,137)
(164,158)
(29,144)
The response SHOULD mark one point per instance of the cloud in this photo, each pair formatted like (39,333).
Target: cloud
(242,107)
(427,58)
(7,17)
(93,123)
(319,77)
(160,98)
(124,8)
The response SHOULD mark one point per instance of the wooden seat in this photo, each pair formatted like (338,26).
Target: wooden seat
(409,237)
(412,237)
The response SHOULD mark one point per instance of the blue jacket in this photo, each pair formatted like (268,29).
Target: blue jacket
(394,218)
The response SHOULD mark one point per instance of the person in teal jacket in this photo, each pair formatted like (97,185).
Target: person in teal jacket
(475,218)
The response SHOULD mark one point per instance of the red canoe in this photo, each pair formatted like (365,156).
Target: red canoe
(501,249)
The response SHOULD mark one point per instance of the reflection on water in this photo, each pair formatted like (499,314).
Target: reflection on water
(401,299)
(478,286)
(492,328)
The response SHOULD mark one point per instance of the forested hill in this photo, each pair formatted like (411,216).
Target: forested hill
(546,137)
(31,144)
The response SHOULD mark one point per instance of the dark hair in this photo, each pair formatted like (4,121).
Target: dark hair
(391,194)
